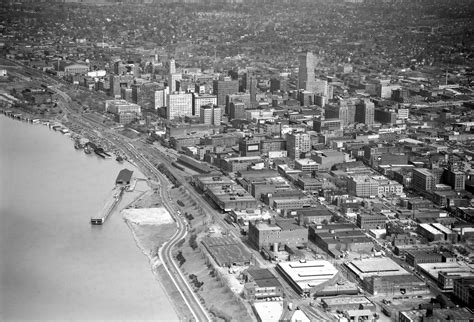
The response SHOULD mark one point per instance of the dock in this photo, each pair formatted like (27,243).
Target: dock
(111,202)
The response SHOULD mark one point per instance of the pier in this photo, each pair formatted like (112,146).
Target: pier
(112,200)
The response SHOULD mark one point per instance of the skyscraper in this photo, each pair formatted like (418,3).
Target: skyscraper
(172,66)
(298,143)
(365,112)
(223,87)
(306,76)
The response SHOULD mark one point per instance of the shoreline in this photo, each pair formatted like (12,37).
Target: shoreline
(152,260)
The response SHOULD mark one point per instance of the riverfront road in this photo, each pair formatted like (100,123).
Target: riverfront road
(166,256)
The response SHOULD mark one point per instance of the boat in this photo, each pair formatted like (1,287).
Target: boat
(107,155)
(87,150)
(119,158)
(78,145)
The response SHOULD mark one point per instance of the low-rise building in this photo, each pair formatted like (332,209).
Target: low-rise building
(231,197)
(343,303)
(368,221)
(261,284)
(417,257)
(280,233)
(306,277)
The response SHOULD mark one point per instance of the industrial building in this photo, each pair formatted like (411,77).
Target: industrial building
(368,221)
(414,257)
(337,240)
(306,277)
(430,232)
(261,284)
(382,266)
(228,197)
(280,233)
(433,270)
(343,303)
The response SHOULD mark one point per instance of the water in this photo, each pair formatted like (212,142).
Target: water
(53,263)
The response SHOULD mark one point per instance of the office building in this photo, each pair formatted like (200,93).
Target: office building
(237,98)
(365,112)
(298,143)
(179,105)
(425,180)
(223,87)
(210,114)
(237,111)
(117,82)
(201,100)
(172,81)
(463,289)
(161,97)
(306,75)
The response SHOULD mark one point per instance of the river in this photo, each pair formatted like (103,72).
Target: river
(53,263)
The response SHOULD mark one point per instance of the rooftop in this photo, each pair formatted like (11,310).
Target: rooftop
(308,274)
(382,266)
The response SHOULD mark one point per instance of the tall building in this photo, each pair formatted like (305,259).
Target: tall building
(223,87)
(365,112)
(425,179)
(321,87)
(298,143)
(278,84)
(172,79)
(210,114)
(172,67)
(202,100)
(161,97)
(237,111)
(306,76)
(119,82)
(250,86)
(238,97)
(179,105)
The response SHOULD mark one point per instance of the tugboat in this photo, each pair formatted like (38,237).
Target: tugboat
(78,145)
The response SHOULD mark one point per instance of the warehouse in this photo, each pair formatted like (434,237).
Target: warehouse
(306,277)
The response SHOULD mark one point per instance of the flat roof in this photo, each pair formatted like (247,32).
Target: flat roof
(338,300)
(382,266)
(269,311)
(433,269)
(308,274)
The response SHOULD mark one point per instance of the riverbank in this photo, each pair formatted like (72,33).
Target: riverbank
(151,227)
(54,263)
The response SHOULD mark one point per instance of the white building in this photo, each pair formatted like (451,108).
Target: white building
(210,114)
(202,100)
(179,105)
(121,106)
(161,97)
